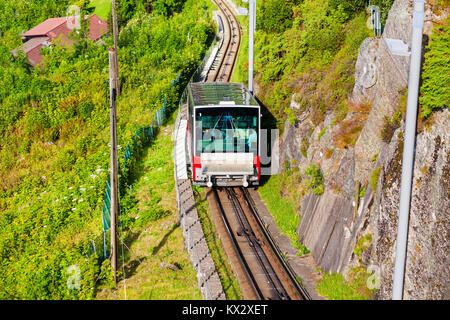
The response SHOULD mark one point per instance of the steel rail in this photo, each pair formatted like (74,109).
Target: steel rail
(277,252)
(228,59)
(245,266)
(256,246)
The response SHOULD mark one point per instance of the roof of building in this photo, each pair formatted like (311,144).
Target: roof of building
(45,27)
(31,44)
(32,49)
(55,28)
(213,93)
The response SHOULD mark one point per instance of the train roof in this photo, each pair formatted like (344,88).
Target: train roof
(213,93)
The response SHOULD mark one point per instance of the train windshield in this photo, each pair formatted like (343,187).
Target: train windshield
(226,130)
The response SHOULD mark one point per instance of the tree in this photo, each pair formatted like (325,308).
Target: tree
(277,15)
(167,7)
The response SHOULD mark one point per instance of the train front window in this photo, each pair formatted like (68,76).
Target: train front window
(226,130)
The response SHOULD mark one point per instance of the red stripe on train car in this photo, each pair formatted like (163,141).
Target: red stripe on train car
(196,163)
(257,163)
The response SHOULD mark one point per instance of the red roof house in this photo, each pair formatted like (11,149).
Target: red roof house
(54,28)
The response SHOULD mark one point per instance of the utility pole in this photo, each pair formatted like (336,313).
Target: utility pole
(408,150)
(115,30)
(251,34)
(114,164)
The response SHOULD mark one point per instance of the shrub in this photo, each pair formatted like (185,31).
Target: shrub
(435,89)
(390,125)
(315,181)
(277,15)
(291,116)
(362,244)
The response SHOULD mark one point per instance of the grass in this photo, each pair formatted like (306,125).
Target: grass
(335,287)
(240,73)
(102,8)
(282,209)
(155,241)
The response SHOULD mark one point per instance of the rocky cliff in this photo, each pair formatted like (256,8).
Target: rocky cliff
(349,210)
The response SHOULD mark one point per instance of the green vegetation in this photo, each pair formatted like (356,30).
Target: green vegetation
(390,125)
(374,158)
(362,244)
(362,192)
(102,8)
(283,208)
(359,281)
(151,230)
(315,181)
(276,15)
(385,6)
(291,116)
(350,128)
(435,89)
(304,147)
(374,178)
(335,287)
(54,135)
(323,131)
(312,52)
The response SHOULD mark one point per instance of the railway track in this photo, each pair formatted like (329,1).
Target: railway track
(228,51)
(257,262)
(261,270)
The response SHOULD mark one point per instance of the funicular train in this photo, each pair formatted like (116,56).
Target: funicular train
(223,134)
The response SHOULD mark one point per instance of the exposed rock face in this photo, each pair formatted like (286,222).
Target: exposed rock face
(428,263)
(331,226)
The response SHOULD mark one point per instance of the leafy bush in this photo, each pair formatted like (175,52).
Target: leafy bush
(390,125)
(304,147)
(435,89)
(276,15)
(362,244)
(315,181)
